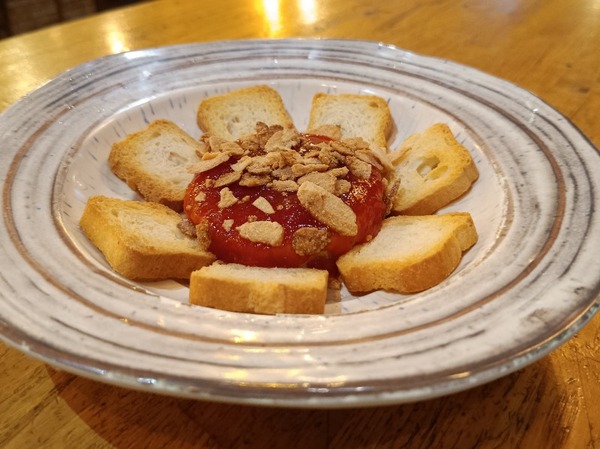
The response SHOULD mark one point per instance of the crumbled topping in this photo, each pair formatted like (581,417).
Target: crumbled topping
(208,163)
(328,208)
(200,197)
(259,166)
(220,145)
(282,140)
(187,227)
(325,180)
(369,157)
(342,186)
(203,236)
(334,283)
(263,204)
(332,131)
(287,161)
(275,153)
(202,149)
(339,172)
(267,232)
(228,224)
(358,143)
(303,169)
(228,178)
(383,158)
(283,173)
(284,186)
(310,241)
(342,147)
(227,198)
(250,180)
(392,185)
(358,168)
(241,164)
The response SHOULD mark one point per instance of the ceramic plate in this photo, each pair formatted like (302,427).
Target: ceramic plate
(528,285)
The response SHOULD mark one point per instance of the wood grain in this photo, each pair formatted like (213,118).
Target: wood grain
(549,47)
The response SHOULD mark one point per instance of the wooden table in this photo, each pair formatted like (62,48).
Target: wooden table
(549,47)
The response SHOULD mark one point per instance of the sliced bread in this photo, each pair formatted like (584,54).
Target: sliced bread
(241,288)
(141,240)
(434,169)
(235,114)
(366,116)
(410,253)
(153,162)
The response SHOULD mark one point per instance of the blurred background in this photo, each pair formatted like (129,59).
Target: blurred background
(21,16)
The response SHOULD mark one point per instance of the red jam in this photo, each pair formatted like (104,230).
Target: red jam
(366,197)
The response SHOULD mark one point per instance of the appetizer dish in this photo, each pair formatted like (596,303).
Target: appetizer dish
(263,218)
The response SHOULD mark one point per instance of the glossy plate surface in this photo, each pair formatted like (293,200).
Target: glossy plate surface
(528,285)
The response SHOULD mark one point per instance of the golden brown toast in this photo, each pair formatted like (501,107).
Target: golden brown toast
(153,162)
(141,240)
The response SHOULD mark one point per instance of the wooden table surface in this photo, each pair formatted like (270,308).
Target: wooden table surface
(550,47)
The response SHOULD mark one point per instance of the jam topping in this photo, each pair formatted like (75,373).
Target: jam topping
(281,198)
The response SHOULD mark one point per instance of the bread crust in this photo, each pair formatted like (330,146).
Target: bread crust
(240,288)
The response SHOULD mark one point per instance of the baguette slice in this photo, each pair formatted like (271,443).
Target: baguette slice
(434,169)
(235,114)
(141,240)
(366,116)
(241,288)
(410,253)
(153,162)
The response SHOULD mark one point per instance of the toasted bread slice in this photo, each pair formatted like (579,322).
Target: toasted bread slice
(241,288)
(434,169)
(410,253)
(153,162)
(235,114)
(366,116)
(141,240)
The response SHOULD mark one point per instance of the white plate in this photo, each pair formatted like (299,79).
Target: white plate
(528,285)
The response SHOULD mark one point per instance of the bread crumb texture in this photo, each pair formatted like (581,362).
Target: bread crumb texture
(153,162)
(365,116)
(434,169)
(234,114)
